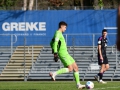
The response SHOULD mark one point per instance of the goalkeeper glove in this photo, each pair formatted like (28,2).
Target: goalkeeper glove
(56,57)
(52,51)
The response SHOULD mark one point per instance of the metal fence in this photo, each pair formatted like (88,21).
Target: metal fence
(8,40)
(13,40)
(59,8)
(86,39)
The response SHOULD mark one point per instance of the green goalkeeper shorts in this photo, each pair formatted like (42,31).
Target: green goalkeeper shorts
(66,59)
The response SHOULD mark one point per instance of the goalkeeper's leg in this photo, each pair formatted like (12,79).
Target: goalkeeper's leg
(66,70)
(67,64)
(60,71)
(70,65)
(76,76)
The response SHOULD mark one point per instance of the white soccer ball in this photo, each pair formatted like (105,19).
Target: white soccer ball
(89,85)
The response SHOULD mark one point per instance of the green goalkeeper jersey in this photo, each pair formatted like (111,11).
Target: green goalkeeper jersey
(58,43)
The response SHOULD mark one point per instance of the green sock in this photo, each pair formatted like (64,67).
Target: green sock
(62,70)
(77,79)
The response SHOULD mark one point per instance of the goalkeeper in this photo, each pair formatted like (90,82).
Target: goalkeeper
(59,48)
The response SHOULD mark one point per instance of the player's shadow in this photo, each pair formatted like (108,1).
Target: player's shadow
(6,15)
(14,15)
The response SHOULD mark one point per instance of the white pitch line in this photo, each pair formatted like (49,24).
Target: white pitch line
(104,88)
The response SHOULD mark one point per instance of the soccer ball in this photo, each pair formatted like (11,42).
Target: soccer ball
(89,85)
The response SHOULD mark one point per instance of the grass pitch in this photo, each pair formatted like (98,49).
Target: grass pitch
(54,85)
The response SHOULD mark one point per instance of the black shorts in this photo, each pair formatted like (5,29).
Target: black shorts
(105,60)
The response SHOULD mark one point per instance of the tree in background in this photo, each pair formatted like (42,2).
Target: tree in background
(111,4)
(82,5)
(96,4)
(101,5)
(7,4)
(114,3)
(26,6)
(58,4)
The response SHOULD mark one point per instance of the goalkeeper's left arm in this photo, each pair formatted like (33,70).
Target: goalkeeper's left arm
(55,46)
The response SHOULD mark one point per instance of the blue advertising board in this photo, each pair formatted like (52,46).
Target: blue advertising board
(38,27)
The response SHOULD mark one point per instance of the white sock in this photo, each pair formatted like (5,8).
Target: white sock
(54,73)
(78,85)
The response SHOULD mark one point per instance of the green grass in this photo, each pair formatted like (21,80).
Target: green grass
(54,85)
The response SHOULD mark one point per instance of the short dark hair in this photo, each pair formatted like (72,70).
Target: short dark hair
(62,23)
(104,30)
